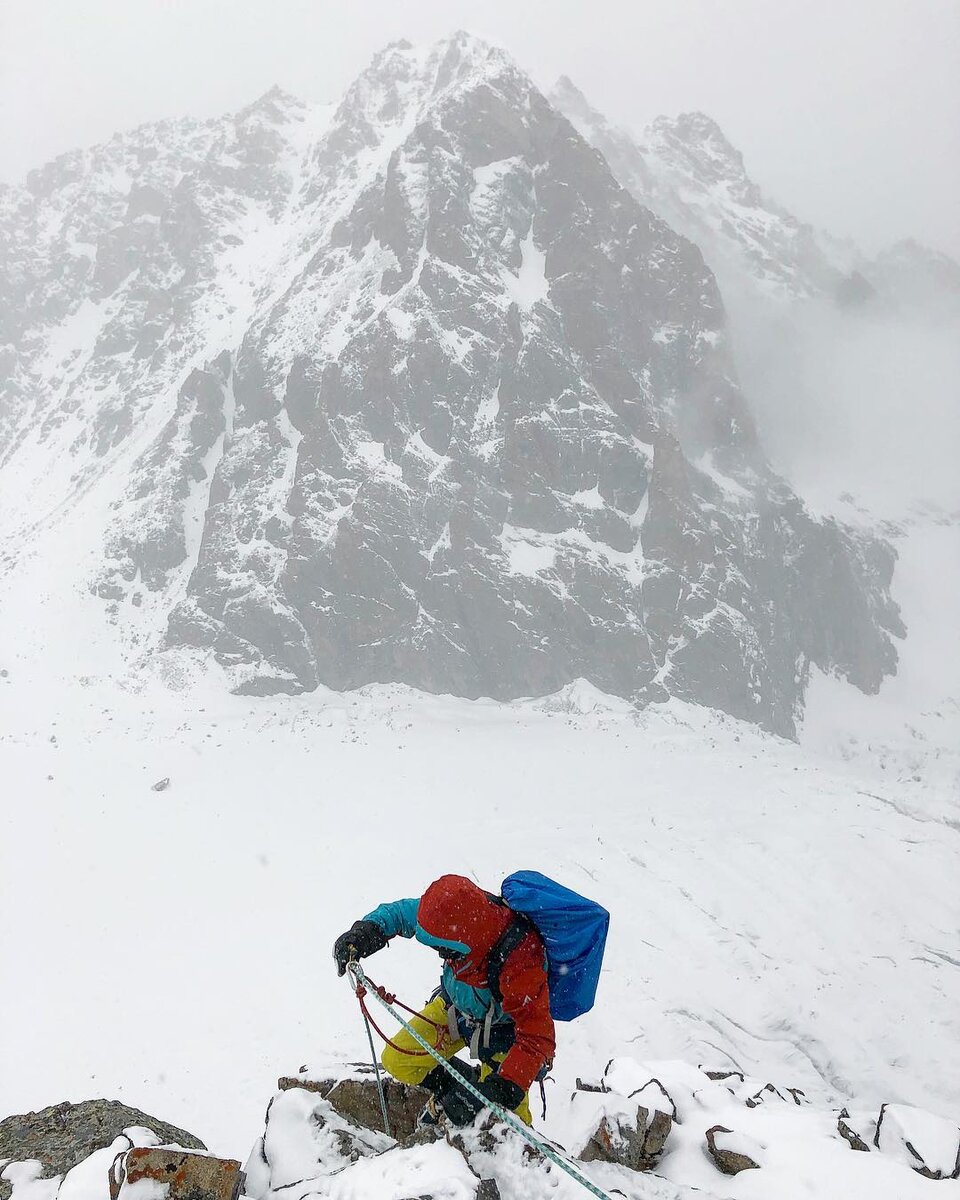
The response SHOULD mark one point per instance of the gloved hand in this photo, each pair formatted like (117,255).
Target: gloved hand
(440,1082)
(361,939)
(460,1106)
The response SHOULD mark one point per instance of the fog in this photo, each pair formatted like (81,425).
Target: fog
(846,112)
(864,404)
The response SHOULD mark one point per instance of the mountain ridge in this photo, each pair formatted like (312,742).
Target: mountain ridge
(442,404)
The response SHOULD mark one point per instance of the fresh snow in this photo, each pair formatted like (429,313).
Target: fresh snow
(754,921)
(530,285)
(528,553)
(910,731)
(486,179)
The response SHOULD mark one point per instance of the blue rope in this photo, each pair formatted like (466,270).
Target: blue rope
(359,979)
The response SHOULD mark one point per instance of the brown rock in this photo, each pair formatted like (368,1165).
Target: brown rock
(848,1133)
(321,1086)
(187,1176)
(730,1162)
(358,1101)
(637,1145)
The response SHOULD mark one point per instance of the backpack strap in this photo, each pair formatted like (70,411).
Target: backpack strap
(504,946)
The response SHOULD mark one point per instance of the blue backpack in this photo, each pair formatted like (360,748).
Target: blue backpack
(574,933)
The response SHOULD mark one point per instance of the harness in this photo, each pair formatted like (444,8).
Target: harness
(486,1036)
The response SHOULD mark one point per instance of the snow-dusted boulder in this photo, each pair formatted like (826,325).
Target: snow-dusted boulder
(352,1091)
(305,1139)
(632,1139)
(59,1138)
(630,1130)
(307,1143)
(918,1139)
(928,1144)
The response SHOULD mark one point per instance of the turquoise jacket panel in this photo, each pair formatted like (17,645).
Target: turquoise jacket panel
(398,918)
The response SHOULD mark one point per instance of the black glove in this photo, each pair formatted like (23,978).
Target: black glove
(460,1106)
(361,939)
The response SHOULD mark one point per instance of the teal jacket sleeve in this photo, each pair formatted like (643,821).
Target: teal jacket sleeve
(397,918)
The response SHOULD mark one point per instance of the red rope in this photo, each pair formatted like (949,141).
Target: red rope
(390,998)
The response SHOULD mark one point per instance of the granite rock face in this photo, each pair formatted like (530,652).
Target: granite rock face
(425,396)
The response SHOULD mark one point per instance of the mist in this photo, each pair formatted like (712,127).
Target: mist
(864,404)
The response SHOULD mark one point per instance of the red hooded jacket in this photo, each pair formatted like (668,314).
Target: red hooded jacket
(454,908)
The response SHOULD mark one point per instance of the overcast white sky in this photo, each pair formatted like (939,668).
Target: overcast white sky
(847,111)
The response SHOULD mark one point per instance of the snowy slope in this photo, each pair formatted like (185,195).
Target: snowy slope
(416,392)
(769,912)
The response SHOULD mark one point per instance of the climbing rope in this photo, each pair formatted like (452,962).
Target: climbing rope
(381,992)
(376,1067)
(363,986)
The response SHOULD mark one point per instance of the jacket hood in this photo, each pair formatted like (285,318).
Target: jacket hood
(454,912)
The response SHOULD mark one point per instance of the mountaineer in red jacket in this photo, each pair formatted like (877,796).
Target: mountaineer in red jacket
(493,995)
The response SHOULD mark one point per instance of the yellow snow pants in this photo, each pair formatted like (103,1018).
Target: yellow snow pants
(414,1068)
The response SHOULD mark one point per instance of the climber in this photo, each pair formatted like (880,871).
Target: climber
(493,997)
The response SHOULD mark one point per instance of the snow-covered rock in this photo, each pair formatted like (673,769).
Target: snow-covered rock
(733,1152)
(689,173)
(352,1091)
(918,1139)
(61,1137)
(696,1130)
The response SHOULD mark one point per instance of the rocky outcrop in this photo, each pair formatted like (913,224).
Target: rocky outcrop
(306,1140)
(356,1097)
(689,173)
(63,1135)
(636,1143)
(630,1126)
(664,1120)
(851,1135)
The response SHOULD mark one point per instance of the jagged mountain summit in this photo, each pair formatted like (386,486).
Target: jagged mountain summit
(415,391)
(686,170)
